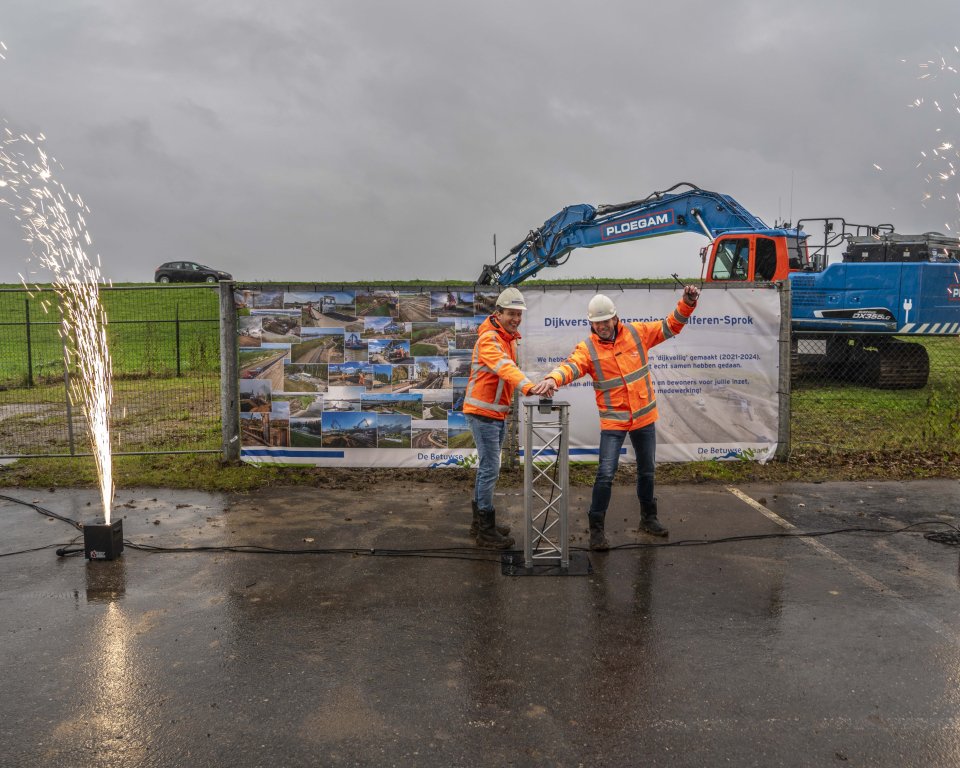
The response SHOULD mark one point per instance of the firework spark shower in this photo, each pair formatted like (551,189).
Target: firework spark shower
(54,225)
(940,157)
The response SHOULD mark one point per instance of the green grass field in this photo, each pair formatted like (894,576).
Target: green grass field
(856,419)
(300,439)
(151,331)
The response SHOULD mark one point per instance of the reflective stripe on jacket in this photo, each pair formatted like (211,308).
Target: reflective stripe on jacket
(493,372)
(621,374)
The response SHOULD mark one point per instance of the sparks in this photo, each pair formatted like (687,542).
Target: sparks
(52,230)
(939,161)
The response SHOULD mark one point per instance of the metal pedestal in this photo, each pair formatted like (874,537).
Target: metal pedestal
(546,490)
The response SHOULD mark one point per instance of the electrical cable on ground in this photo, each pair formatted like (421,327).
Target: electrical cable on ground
(944,537)
(35,549)
(43,511)
(950,536)
(446,553)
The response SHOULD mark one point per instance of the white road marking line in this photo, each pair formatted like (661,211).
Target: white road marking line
(814,544)
(927,619)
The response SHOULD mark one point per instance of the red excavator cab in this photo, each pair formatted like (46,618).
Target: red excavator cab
(750,257)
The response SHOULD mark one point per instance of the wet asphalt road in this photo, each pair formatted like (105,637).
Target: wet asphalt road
(836,650)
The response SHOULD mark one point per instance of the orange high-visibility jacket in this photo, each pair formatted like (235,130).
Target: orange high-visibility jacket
(494,373)
(621,376)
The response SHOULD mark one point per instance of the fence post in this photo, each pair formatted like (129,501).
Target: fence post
(229,375)
(66,376)
(511,441)
(26,306)
(783,385)
(177,326)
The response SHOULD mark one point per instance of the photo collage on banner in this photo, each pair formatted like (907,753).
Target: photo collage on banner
(358,377)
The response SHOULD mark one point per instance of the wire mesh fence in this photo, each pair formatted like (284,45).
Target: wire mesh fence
(850,396)
(876,394)
(165,351)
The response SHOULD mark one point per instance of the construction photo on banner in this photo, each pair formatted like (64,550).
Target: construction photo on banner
(376,378)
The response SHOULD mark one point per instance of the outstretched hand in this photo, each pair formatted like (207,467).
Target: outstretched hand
(544,388)
(691,294)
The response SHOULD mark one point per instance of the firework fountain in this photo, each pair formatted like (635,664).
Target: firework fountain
(53,221)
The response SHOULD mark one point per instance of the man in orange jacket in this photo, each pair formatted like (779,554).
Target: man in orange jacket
(494,376)
(615,356)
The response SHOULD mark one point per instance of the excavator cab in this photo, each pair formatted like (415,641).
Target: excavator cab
(751,257)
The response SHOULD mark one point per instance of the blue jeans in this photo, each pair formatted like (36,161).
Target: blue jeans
(488,437)
(644,442)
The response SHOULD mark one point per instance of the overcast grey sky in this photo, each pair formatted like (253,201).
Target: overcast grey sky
(326,141)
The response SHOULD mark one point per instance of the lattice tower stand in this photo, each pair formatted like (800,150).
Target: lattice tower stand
(546,483)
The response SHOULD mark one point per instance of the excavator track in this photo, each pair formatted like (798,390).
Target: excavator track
(902,365)
(887,363)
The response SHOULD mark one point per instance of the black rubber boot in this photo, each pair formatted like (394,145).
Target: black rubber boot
(598,541)
(648,520)
(488,537)
(503,530)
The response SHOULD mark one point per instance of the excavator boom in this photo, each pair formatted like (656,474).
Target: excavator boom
(684,207)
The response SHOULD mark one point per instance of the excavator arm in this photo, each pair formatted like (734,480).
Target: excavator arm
(683,207)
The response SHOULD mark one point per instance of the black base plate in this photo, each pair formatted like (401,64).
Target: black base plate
(511,564)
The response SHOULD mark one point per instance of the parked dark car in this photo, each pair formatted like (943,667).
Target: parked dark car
(188,272)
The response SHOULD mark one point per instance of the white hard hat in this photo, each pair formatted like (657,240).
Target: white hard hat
(600,308)
(511,298)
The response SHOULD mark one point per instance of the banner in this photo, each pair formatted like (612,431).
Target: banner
(358,377)
(716,381)
(377,377)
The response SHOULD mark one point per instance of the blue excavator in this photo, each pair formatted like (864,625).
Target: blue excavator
(850,318)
